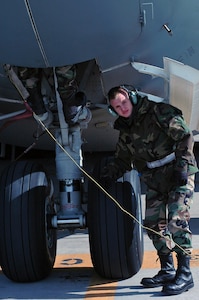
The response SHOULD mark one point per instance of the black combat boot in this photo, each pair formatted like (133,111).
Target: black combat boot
(183,280)
(165,275)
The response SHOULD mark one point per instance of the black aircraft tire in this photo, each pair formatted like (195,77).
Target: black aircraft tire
(27,241)
(116,240)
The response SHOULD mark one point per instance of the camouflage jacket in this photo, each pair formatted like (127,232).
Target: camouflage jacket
(153,131)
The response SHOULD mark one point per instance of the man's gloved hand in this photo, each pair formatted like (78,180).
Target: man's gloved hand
(180,177)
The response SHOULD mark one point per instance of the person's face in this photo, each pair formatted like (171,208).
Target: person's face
(122,104)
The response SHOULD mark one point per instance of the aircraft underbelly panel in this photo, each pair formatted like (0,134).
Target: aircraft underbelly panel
(54,33)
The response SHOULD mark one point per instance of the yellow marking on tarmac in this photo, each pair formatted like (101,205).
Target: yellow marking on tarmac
(101,289)
(80,260)
(151,260)
(73,261)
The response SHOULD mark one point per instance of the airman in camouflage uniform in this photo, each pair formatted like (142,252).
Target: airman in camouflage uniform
(155,139)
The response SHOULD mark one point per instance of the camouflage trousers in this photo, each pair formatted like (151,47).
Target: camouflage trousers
(168,215)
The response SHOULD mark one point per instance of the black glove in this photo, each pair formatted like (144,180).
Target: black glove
(180,177)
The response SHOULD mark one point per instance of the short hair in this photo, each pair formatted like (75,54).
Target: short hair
(113,92)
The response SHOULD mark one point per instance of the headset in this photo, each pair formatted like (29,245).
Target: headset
(132,94)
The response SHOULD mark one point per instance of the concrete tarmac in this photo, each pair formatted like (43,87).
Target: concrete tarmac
(73,276)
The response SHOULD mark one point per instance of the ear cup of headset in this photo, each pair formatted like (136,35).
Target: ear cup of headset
(133,97)
(112,111)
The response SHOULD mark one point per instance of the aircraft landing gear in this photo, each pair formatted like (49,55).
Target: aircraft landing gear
(29,220)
